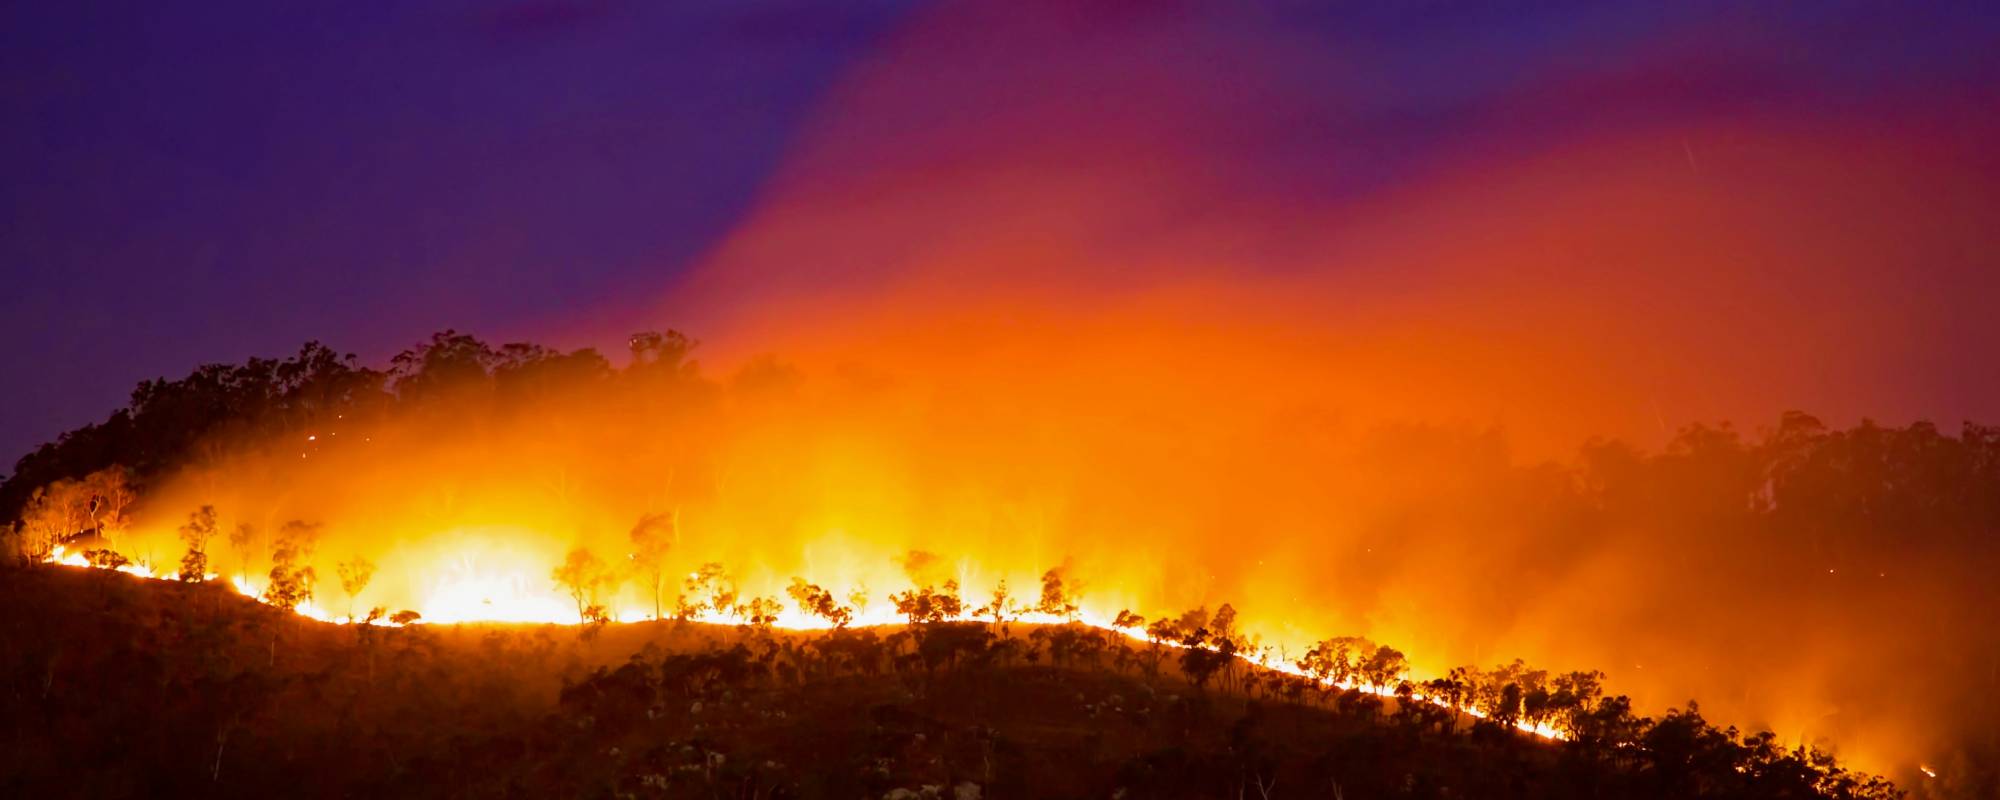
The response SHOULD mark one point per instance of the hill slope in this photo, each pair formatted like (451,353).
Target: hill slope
(117,687)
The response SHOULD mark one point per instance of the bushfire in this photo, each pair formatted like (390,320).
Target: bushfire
(520,484)
(465,596)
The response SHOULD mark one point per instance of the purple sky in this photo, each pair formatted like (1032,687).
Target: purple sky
(233,178)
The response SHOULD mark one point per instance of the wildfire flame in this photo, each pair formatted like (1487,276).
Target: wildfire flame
(466,594)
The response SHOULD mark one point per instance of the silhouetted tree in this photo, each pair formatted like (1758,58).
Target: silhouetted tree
(819,602)
(1001,607)
(243,540)
(1201,657)
(708,588)
(652,536)
(760,612)
(111,499)
(1057,599)
(291,577)
(354,576)
(582,575)
(54,513)
(196,533)
(929,605)
(449,361)
(654,352)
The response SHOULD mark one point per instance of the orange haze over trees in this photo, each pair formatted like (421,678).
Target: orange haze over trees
(503,483)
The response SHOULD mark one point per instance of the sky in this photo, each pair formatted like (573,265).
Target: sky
(206,184)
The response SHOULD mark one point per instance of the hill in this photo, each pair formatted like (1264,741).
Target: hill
(119,687)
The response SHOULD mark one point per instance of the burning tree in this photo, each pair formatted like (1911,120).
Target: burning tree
(1002,607)
(760,612)
(819,603)
(200,528)
(291,579)
(111,498)
(1333,661)
(651,538)
(243,541)
(928,604)
(1057,599)
(708,588)
(354,576)
(583,575)
(1383,667)
(54,512)
(1202,657)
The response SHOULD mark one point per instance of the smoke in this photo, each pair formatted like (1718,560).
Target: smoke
(1032,292)
(1165,279)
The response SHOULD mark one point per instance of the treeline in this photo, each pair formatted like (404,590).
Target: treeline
(1846,493)
(168,424)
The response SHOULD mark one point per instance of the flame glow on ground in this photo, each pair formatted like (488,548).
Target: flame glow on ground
(468,595)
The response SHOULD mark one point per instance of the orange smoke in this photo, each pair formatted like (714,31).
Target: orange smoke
(1038,295)
(1108,259)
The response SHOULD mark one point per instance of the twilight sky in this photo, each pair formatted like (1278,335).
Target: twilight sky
(231,179)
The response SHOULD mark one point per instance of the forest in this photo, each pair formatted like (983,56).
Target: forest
(185,686)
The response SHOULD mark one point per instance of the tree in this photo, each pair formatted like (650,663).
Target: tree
(929,605)
(652,536)
(709,589)
(54,513)
(1574,695)
(1202,658)
(582,574)
(1001,607)
(1057,599)
(243,540)
(1333,661)
(200,528)
(111,499)
(354,576)
(292,578)
(448,362)
(760,612)
(819,602)
(656,352)
(1506,708)
(1384,667)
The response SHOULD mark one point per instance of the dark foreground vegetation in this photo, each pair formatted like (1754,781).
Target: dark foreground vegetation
(120,687)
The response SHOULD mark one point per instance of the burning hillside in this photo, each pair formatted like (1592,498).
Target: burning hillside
(1353,384)
(471,483)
